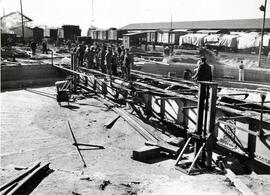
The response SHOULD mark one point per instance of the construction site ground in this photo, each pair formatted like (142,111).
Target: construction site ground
(34,128)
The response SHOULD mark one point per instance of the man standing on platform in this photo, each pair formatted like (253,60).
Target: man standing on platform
(101,57)
(128,62)
(108,60)
(114,61)
(44,47)
(80,54)
(89,56)
(33,47)
(204,72)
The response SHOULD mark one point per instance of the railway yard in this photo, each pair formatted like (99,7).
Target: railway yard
(127,137)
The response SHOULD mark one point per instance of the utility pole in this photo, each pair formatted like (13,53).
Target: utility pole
(22,22)
(262,8)
(92,12)
(170,31)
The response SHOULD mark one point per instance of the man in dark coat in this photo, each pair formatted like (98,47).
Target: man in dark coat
(101,56)
(33,47)
(204,72)
(80,54)
(89,56)
(44,47)
(127,63)
(114,62)
(108,60)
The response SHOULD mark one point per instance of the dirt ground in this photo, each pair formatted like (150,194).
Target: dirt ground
(34,128)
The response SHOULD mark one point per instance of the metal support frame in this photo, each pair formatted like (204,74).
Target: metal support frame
(203,136)
(74,68)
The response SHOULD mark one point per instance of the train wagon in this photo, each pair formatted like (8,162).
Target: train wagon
(85,39)
(112,34)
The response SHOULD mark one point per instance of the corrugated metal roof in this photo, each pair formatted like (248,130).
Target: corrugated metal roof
(181,30)
(134,33)
(208,31)
(248,24)
(26,19)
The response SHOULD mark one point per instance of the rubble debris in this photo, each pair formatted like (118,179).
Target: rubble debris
(20,168)
(75,193)
(86,178)
(104,184)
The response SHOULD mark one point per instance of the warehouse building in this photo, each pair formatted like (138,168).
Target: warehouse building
(230,25)
(233,34)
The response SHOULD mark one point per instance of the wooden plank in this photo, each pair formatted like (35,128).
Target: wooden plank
(75,144)
(161,80)
(23,182)
(238,183)
(249,114)
(177,80)
(135,124)
(18,178)
(8,189)
(141,130)
(165,146)
(111,122)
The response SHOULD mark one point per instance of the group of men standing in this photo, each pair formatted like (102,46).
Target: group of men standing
(33,46)
(106,58)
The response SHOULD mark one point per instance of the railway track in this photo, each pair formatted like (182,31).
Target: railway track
(239,121)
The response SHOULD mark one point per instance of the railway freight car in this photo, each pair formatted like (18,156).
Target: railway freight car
(152,37)
(110,35)
(134,39)
(38,34)
(71,31)
(85,39)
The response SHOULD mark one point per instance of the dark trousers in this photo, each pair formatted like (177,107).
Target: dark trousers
(114,69)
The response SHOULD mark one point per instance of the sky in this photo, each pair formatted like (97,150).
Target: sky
(118,13)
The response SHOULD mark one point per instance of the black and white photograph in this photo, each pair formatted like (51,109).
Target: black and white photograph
(135,97)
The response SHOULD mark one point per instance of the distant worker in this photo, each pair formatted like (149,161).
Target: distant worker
(127,63)
(89,56)
(101,58)
(114,62)
(204,72)
(33,47)
(80,54)
(241,72)
(166,51)
(9,42)
(187,74)
(69,45)
(108,60)
(121,61)
(96,58)
(44,47)
(119,50)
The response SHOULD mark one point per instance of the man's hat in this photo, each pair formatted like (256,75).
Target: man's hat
(203,58)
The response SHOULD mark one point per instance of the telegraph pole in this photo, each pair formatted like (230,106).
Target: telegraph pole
(262,8)
(170,31)
(92,13)
(22,22)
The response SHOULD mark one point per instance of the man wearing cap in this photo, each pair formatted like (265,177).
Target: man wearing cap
(204,72)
